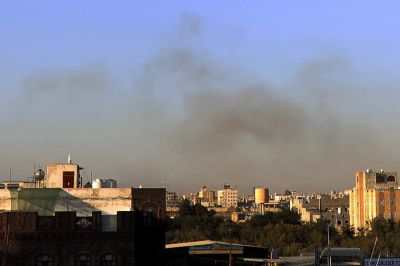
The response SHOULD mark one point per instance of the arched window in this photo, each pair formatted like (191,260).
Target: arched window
(83,260)
(391,178)
(108,260)
(44,260)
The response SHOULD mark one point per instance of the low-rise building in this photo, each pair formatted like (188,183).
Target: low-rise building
(329,208)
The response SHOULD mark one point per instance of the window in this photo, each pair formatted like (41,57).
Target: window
(68,179)
(83,260)
(44,260)
(380,178)
(109,260)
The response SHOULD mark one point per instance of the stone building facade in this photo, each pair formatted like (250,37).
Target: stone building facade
(66,239)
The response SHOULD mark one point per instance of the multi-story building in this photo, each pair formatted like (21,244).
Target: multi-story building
(207,197)
(376,194)
(227,197)
(172,199)
(203,192)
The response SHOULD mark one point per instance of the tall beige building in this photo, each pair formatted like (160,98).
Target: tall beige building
(376,194)
(227,197)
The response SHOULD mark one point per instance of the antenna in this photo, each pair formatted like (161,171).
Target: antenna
(10,173)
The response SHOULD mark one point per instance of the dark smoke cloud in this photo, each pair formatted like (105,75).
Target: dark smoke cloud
(230,130)
(216,120)
(91,79)
(189,25)
(191,120)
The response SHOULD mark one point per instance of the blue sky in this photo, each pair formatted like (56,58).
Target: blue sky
(270,37)
(345,53)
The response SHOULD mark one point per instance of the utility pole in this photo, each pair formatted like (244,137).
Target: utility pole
(230,246)
(329,249)
(5,243)
(372,253)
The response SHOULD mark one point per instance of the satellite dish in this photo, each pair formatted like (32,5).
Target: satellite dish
(39,174)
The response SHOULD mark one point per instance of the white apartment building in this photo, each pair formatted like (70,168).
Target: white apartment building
(227,197)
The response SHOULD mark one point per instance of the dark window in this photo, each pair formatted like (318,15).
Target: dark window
(44,260)
(380,178)
(83,260)
(391,178)
(108,260)
(68,179)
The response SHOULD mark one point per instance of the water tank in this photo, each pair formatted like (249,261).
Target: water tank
(39,175)
(104,183)
(261,195)
(96,183)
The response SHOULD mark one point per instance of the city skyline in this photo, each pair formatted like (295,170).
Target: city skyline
(283,95)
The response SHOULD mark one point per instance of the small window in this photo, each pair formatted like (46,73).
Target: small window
(83,260)
(44,260)
(109,260)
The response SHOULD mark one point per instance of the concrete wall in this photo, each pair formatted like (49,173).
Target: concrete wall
(46,201)
(7,197)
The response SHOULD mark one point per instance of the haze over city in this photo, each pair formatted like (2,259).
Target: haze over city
(296,95)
